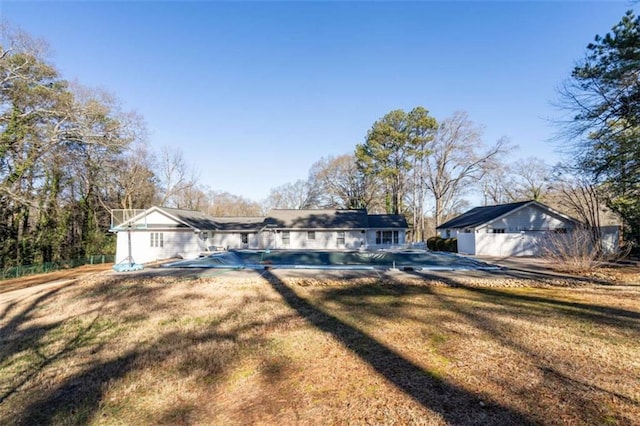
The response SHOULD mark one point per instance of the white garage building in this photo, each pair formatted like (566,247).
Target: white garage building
(515,229)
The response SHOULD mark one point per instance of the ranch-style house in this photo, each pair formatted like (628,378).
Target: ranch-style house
(162,233)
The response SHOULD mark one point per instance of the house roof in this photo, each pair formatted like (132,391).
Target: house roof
(387,221)
(481,215)
(192,218)
(282,219)
(239,223)
(317,219)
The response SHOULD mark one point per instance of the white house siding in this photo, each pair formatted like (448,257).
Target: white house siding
(300,240)
(233,240)
(453,233)
(173,242)
(353,240)
(467,243)
(513,244)
(267,239)
(529,218)
(156,218)
(523,243)
(324,240)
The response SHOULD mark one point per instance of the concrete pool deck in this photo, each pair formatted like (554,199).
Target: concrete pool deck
(503,271)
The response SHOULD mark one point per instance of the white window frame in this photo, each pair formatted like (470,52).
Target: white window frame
(156,239)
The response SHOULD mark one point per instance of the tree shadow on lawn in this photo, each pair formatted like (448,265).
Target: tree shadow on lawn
(585,400)
(77,398)
(456,405)
(16,335)
(540,275)
(506,300)
(573,392)
(621,318)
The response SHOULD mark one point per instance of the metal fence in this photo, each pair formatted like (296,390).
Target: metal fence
(21,271)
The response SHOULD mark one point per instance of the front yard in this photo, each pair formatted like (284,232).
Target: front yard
(270,348)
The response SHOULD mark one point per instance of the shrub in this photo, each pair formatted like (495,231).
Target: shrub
(574,251)
(438,243)
(451,245)
(431,243)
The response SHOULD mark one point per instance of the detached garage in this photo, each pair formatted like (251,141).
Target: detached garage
(514,229)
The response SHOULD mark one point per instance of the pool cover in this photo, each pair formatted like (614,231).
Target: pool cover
(307,259)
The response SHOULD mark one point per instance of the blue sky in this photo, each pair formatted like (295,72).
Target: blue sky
(255,93)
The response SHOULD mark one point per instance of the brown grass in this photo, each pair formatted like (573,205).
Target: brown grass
(243,348)
(63,274)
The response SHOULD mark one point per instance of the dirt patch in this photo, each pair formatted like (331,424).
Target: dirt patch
(63,274)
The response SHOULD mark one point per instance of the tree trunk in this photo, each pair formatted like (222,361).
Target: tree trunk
(438,211)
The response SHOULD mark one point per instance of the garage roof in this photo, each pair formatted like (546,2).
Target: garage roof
(481,215)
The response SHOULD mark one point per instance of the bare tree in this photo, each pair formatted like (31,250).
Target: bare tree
(457,160)
(529,179)
(580,197)
(133,179)
(297,195)
(495,183)
(220,203)
(339,183)
(175,177)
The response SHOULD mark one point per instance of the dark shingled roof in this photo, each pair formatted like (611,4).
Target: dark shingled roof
(191,218)
(246,223)
(480,215)
(288,219)
(387,221)
(317,219)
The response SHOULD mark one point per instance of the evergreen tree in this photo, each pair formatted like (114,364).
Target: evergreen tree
(603,96)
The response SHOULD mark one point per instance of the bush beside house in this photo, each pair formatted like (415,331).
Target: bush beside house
(438,243)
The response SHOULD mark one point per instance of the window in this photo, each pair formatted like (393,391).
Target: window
(387,237)
(498,231)
(285,238)
(340,237)
(311,235)
(245,238)
(156,239)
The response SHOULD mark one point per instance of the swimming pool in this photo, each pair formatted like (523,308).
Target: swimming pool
(307,259)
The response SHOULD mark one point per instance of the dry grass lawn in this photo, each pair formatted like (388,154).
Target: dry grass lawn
(263,348)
